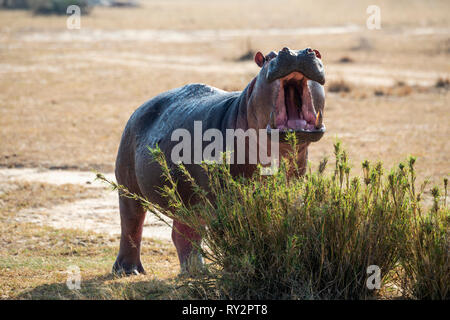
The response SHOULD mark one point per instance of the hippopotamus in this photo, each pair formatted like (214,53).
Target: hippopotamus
(286,95)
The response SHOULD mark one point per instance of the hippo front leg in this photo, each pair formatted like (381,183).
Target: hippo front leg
(132,216)
(183,238)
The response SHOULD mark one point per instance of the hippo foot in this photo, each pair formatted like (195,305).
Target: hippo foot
(121,268)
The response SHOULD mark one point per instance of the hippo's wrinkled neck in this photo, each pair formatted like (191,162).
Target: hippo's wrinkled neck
(238,112)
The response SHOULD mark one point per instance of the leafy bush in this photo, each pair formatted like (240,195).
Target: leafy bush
(57,6)
(311,237)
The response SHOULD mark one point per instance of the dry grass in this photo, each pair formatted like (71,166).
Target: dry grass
(34,259)
(202,14)
(34,263)
(18,195)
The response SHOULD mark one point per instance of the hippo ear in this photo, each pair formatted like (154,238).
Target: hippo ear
(259,59)
(318,55)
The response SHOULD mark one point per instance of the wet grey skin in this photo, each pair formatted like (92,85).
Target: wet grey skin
(287,94)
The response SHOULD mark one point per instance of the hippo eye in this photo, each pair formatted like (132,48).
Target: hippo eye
(270,56)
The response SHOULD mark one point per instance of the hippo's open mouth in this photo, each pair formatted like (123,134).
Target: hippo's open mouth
(294,109)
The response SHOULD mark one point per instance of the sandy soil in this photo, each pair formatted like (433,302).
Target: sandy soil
(100,214)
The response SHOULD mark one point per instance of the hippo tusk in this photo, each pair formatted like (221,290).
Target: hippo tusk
(319,120)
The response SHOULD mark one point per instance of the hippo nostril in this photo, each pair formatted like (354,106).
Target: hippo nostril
(285,49)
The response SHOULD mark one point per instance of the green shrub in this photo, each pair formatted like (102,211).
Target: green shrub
(311,237)
(57,6)
(426,256)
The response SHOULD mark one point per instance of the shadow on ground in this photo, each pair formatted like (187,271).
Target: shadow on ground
(107,286)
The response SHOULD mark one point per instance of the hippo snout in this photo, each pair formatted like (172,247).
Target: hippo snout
(307,61)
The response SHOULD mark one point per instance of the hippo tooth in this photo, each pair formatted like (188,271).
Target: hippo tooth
(319,120)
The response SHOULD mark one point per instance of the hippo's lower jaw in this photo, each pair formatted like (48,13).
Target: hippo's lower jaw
(302,135)
(294,110)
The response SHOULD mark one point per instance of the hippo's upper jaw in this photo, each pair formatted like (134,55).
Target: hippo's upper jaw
(300,101)
(306,61)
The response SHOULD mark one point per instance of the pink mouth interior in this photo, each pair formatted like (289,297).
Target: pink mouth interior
(294,109)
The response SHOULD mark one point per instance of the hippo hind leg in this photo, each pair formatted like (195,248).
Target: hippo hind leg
(185,240)
(132,216)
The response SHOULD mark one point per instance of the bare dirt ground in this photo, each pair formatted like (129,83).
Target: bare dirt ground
(65,96)
(99,214)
